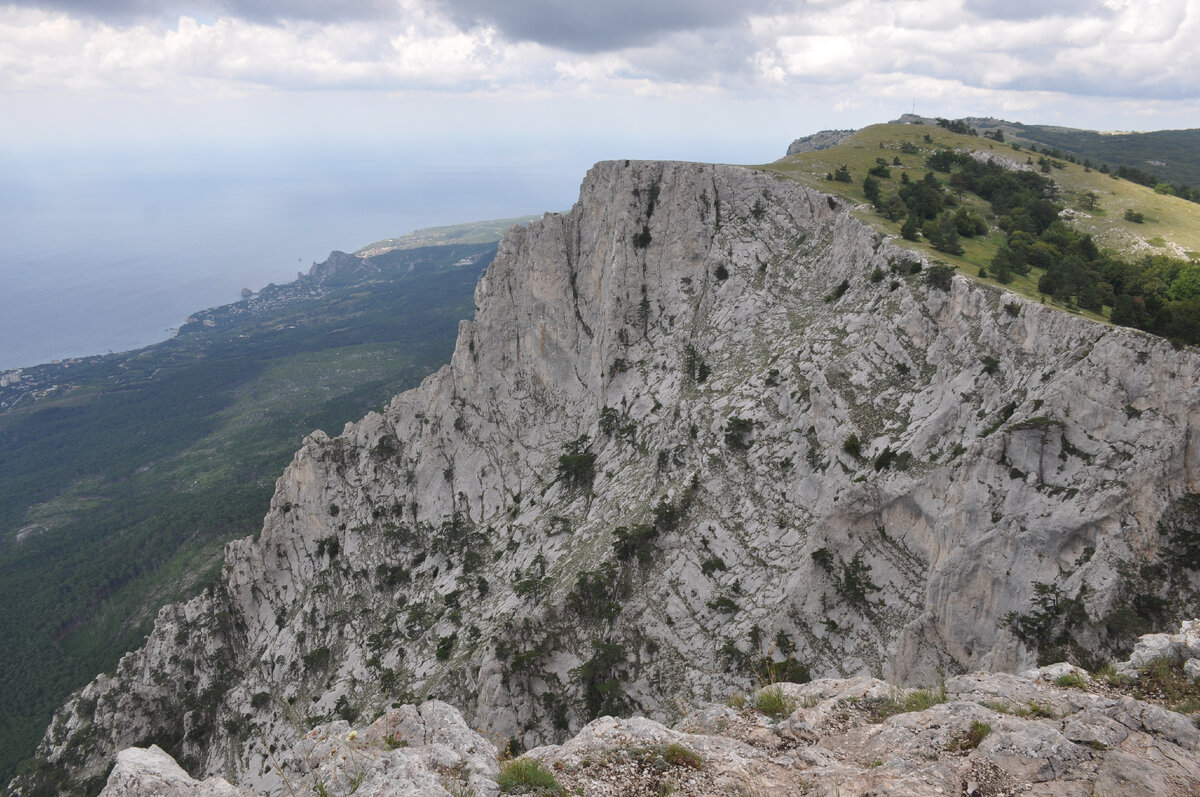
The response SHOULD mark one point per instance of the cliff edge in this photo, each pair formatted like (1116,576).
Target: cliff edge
(1050,731)
(704,425)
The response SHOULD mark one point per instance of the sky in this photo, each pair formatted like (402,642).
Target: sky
(736,80)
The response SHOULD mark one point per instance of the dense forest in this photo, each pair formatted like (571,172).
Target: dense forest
(1155,293)
(1165,156)
(1165,160)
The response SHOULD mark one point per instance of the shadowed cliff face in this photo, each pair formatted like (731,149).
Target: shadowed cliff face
(706,418)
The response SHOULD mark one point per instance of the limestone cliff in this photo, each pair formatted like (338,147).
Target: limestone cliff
(818,141)
(1053,731)
(704,419)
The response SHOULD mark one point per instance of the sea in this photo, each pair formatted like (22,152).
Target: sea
(107,250)
(103,252)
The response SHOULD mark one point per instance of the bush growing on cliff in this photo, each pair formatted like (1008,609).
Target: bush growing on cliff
(824,558)
(328,545)
(737,432)
(601,678)
(723,605)
(884,459)
(445,646)
(597,594)
(577,470)
(642,239)
(317,660)
(939,276)
(577,465)
(852,445)
(635,543)
(1048,625)
(855,585)
(769,671)
(694,366)
(838,291)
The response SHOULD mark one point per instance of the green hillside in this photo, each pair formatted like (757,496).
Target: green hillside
(1146,243)
(1173,156)
(122,477)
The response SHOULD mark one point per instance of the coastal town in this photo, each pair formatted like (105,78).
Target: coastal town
(31,384)
(27,385)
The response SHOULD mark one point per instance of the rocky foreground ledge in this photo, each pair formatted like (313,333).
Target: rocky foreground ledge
(1056,730)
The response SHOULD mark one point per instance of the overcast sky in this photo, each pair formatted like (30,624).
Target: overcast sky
(705,76)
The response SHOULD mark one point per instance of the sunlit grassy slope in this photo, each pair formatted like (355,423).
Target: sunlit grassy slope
(475,232)
(1171,226)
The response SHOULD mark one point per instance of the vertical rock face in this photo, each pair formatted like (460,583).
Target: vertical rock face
(706,418)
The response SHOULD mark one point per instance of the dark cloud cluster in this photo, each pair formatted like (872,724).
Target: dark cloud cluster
(600,26)
(565,24)
(1023,10)
(1067,47)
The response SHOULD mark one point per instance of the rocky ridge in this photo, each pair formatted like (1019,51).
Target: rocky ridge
(705,423)
(818,141)
(1049,731)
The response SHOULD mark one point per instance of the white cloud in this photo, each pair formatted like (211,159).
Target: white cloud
(857,55)
(45,51)
(1128,50)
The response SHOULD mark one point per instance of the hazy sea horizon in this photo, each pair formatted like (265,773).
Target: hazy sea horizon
(111,249)
(101,257)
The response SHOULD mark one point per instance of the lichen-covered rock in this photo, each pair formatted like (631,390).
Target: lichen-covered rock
(823,139)
(152,773)
(980,734)
(425,751)
(979,737)
(706,418)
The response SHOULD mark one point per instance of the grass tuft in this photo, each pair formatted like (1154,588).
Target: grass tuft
(1071,680)
(1165,680)
(526,776)
(976,734)
(774,703)
(904,703)
(670,755)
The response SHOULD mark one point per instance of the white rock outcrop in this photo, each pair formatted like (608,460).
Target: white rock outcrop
(984,734)
(1182,647)
(706,418)
(152,772)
